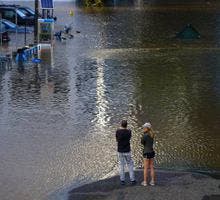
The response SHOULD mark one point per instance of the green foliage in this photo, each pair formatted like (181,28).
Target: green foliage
(93,3)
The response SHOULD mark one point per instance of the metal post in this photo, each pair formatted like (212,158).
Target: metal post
(16,34)
(25,33)
(48,14)
(43,13)
(1,30)
(36,22)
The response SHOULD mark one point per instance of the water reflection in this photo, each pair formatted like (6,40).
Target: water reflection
(181,133)
(102,103)
(47,88)
(58,119)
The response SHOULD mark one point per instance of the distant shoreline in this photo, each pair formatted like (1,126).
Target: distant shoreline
(151,5)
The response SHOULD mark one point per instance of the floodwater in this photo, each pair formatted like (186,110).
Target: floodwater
(57,121)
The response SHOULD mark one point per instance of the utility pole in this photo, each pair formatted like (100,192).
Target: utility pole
(1,30)
(16,34)
(36,22)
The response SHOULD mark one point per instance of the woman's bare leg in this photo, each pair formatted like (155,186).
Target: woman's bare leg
(152,172)
(146,166)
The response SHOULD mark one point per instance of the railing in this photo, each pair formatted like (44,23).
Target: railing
(32,51)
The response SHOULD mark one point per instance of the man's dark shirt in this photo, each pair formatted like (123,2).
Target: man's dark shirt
(123,137)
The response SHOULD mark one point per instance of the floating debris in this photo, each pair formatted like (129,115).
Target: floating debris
(188,33)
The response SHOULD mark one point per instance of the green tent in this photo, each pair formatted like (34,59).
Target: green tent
(188,33)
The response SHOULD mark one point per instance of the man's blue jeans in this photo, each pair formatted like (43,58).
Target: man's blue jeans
(125,158)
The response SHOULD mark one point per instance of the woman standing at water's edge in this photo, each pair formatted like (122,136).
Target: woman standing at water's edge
(147,141)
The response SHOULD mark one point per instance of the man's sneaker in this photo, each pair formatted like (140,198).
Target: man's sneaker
(152,183)
(144,183)
(122,182)
(133,182)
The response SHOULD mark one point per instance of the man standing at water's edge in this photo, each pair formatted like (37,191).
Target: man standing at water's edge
(123,137)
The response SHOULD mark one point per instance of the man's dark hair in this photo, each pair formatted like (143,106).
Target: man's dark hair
(124,123)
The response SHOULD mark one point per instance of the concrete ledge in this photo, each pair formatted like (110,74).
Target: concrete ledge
(171,185)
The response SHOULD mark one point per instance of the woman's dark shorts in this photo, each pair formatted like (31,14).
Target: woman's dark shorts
(149,155)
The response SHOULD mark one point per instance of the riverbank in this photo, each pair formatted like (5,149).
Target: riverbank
(171,185)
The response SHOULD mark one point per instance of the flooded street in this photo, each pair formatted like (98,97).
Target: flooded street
(57,121)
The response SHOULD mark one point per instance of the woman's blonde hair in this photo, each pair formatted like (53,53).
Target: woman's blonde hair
(151,133)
